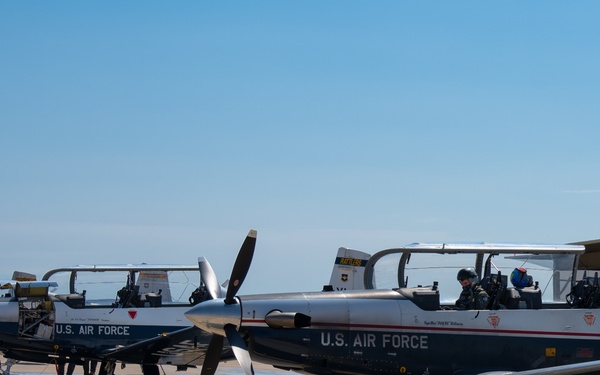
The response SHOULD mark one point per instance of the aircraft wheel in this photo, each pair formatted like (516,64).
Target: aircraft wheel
(150,370)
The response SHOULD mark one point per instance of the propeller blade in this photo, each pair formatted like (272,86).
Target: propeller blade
(239,349)
(209,278)
(213,355)
(241,267)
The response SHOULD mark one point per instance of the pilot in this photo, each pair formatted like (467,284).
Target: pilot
(472,297)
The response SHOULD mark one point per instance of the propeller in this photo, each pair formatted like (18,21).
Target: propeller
(222,316)
(209,278)
(241,267)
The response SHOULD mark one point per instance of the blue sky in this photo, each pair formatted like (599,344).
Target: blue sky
(158,132)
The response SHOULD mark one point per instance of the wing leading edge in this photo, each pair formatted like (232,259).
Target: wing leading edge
(576,368)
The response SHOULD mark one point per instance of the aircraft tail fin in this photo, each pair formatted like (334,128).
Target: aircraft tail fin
(155,282)
(349,270)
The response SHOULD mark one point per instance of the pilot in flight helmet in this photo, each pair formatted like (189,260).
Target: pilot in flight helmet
(467,274)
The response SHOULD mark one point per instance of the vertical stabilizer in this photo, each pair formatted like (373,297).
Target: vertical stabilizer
(349,269)
(153,282)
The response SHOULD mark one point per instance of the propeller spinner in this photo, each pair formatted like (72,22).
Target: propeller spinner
(222,316)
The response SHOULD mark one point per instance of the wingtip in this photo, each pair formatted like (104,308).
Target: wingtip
(252,233)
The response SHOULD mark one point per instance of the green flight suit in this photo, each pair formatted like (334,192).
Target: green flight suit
(473,297)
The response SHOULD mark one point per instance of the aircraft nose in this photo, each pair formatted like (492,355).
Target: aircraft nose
(213,315)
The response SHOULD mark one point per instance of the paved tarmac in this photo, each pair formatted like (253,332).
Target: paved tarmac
(229,368)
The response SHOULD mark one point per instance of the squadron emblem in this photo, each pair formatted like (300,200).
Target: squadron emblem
(589,319)
(494,320)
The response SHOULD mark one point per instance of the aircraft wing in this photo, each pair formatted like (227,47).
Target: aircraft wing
(185,347)
(577,368)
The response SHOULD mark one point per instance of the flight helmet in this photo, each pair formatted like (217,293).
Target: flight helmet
(519,277)
(467,273)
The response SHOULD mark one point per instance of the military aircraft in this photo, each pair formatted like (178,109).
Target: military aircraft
(37,325)
(121,313)
(402,325)
(118,313)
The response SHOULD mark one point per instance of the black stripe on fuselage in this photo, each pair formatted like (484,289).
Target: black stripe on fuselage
(413,351)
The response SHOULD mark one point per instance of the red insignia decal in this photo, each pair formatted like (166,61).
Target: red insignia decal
(132,314)
(589,319)
(494,320)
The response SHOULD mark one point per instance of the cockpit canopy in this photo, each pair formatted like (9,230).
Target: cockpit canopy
(551,267)
(112,284)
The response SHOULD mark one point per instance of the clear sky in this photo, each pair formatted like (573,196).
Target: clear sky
(147,131)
